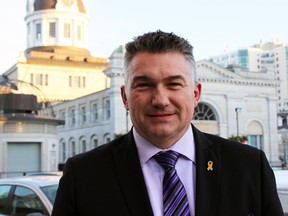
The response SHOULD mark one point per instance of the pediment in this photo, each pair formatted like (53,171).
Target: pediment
(208,69)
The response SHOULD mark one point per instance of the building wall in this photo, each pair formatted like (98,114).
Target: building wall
(223,91)
(60,82)
(263,57)
(22,133)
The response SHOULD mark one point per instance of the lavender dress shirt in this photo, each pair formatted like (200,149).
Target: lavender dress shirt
(154,173)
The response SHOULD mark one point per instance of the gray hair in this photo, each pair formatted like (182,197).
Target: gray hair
(159,42)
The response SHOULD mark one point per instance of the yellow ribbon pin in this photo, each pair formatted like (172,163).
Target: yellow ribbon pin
(210,166)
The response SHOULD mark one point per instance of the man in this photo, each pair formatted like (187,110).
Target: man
(136,174)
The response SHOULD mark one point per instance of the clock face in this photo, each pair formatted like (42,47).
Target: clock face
(68,3)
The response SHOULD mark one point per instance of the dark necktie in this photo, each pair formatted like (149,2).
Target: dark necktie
(175,200)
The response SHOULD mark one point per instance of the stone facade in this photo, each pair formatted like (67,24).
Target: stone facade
(224,93)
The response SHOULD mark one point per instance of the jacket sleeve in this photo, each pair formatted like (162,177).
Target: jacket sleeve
(65,204)
(271,204)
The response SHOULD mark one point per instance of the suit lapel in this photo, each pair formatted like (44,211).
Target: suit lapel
(131,180)
(207,171)
(129,172)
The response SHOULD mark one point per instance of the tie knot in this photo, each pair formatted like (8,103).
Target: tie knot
(167,159)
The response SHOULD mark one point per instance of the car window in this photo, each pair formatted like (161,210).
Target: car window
(4,194)
(25,201)
(50,192)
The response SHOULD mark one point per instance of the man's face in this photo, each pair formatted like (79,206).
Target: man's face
(160,96)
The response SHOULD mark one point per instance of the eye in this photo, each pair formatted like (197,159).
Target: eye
(175,85)
(142,85)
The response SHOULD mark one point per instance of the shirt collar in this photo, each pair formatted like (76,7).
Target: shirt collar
(185,146)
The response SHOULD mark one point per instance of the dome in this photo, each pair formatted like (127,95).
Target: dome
(51,4)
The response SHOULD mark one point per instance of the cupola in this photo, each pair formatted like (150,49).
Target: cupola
(56,23)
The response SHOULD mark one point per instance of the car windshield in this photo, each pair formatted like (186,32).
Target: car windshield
(50,192)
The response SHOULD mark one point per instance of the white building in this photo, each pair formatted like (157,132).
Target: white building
(28,141)
(56,66)
(96,118)
(260,58)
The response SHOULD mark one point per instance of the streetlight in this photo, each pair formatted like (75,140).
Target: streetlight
(237,110)
(284,156)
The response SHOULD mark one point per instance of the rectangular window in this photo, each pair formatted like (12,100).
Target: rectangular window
(72,117)
(62,117)
(52,29)
(46,79)
(256,141)
(67,30)
(107,109)
(63,151)
(83,115)
(38,31)
(95,112)
(32,78)
(39,79)
(83,82)
(79,32)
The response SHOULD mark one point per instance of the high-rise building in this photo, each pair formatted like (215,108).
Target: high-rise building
(262,58)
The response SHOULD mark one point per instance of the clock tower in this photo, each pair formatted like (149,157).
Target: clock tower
(56,23)
(56,59)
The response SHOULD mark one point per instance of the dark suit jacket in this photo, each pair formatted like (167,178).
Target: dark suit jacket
(109,181)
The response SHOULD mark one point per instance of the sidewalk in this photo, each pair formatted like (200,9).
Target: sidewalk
(282,187)
(283,195)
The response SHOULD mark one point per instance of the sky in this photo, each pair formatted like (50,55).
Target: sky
(209,25)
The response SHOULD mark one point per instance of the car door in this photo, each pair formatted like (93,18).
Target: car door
(5,191)
(18,200)
(25,201)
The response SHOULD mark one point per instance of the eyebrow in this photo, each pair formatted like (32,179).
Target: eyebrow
(141,78)
(169,78)
(175,77)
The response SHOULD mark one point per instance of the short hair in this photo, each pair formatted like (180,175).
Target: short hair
(159,42)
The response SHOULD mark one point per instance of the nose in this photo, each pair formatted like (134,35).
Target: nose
(160,97)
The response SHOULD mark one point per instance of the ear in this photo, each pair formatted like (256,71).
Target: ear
(124,97)
(197,93)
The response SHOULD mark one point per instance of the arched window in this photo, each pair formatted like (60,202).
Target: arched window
(204,112)
(107,138)
(72,144)
(73,148)
(83,144)
(255,133)
(94,141)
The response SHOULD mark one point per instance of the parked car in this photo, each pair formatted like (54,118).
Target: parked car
(28,195)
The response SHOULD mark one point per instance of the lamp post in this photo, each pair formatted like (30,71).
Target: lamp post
(237,110)
(284,154)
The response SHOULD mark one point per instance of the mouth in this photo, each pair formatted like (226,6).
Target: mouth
(160,116)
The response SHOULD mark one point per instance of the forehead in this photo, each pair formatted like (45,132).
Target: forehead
(159,65)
